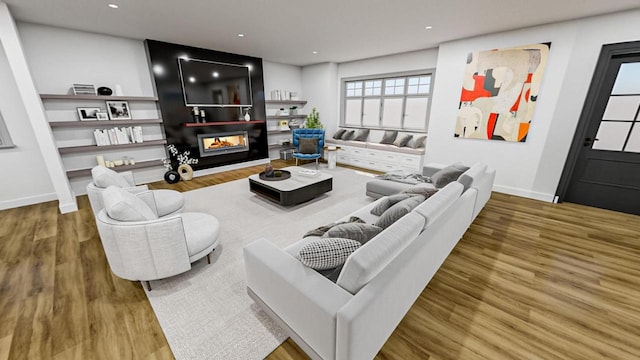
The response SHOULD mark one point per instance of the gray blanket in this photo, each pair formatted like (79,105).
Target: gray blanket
(405,177)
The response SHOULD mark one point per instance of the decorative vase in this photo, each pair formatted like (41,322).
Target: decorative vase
(185,171)
(247,117)
(268,170)
(171,177)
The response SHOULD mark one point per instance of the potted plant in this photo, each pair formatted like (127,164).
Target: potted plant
(313,120)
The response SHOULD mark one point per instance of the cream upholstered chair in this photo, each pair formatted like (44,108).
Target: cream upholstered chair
(140,246)
(168,202)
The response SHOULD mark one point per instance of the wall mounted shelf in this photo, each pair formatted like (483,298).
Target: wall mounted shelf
(285,102)
(71,174)
(86,148)
(282,147)
(221,123)
(271,132)
(93,124)
(96,97)
(284,117)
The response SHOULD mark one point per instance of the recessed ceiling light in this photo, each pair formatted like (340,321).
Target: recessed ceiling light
(314,52)
(113,6)
(215,74)
(240,35)
(192,79)
(428,27)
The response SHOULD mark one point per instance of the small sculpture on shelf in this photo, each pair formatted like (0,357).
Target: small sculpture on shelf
(184,168)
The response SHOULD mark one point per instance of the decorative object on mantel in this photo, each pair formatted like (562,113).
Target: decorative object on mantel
(247,117)
(103,90)
(184,169)
(84,89)
(268,170)
(313,120)
(195,114)
(202,116)
(171,176)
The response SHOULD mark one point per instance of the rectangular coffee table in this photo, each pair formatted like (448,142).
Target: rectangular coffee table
(294,190)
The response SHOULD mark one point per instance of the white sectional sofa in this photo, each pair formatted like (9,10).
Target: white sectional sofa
(353,318)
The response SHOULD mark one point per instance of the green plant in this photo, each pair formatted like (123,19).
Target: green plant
(313,120)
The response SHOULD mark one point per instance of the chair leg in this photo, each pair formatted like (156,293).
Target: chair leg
(316,164)
(209,258)
(148,285)
(296,161)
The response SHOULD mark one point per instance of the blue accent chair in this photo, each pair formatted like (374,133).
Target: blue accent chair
(308,134)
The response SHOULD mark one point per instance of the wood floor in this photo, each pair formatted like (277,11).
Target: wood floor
(529,280)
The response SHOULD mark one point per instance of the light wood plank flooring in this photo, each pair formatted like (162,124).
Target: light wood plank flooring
(529,280)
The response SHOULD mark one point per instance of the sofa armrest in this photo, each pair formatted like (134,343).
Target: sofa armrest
(302,298)
(431,168)
(137,189)
(128,175)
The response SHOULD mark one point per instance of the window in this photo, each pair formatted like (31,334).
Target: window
(393,102)
(5,139)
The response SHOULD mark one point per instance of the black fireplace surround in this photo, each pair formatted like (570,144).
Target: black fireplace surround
(179,125)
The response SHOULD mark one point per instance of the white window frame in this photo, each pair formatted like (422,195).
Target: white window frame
(382,96)
(5,138)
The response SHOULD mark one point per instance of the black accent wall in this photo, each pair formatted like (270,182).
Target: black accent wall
(163,60)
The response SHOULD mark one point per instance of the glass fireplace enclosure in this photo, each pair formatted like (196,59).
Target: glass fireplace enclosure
(223,143)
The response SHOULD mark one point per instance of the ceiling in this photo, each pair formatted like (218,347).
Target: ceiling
(289,31)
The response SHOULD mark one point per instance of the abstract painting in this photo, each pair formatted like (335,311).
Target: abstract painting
(500,91)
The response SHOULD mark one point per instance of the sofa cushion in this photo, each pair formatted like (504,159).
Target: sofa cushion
(439,202)
(168,201)
(387,202)
(338,133)
(426,190)
(104,177)
(121,205)
(348,135)
(389,137)
(417,142)
(308,145)
(361,135)
(366,262)
(393,148)
(448,174)
(327,253)
(201,231)
(354,231)
(402,140)
(399,210)
(469,177)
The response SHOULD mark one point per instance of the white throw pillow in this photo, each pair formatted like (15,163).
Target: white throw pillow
(104,177)
(122,205)
(327,253)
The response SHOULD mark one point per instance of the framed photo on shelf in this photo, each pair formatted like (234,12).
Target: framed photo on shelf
(118,110)
(88,113)
(102,116)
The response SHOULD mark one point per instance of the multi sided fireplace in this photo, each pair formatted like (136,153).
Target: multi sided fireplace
(223,143)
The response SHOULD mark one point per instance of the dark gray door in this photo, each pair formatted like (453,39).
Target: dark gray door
(606,172)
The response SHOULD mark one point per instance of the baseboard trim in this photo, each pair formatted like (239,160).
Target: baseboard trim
(28,200)
(524,193)
(220,169)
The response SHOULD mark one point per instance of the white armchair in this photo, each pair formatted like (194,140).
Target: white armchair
(140,246)
(167,202)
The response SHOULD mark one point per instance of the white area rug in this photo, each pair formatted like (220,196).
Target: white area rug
(206,313)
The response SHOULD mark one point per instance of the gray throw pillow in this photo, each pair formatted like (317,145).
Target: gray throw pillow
(361,135)
(444,176)
(389,137)
(425,191)
(399,210)
(347,135)
(338,134)
(327,253)
(308,146)
(403,140)
(387,202)
(354,231)
(417,142)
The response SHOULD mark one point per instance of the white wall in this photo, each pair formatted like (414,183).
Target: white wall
(59,58)
(25,179)
(397,63)
(319,84)
(533,168)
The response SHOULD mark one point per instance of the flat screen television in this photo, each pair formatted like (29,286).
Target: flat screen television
(214,84)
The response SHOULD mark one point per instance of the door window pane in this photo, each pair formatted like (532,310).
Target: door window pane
(415,113)
(611,135)
(392,113)
(353,113)
(371,113)
(621,108)
(628,79)
(633,145)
